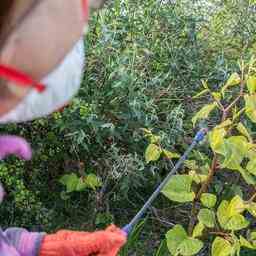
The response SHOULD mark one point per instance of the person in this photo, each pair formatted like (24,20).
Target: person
(41,67)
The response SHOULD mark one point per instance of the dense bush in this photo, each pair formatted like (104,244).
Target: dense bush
(145,60)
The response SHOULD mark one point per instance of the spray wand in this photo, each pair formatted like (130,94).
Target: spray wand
(198,138)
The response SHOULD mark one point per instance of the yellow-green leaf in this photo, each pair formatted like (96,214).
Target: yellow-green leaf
(198,230)
(250,106)
(237,222)
(245,243)
(251,84)
(197,178)
(203,92)
(204,112)
(242,129)
(232,81)
(190,246)
(251,180)
(170,155)
(221,247)
(224,124)
(229,217)
(153,153)
(216,96)
(236,206)
(251,166)
(216,138)
(191,164)
(175,237)
(251,207)
(178,189)
(208,200)
(207,217)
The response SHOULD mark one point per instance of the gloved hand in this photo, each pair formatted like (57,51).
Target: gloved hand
(72,243)
(13,145)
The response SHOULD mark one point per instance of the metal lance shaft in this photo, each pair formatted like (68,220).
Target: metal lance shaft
(198,138)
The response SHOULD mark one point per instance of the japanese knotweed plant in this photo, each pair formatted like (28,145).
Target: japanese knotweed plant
(226,223)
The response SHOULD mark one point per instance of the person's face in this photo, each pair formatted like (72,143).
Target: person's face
(34,51)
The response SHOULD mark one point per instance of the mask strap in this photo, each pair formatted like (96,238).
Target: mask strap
(19,78)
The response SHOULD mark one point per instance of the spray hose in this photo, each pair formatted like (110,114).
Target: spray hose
(198,138)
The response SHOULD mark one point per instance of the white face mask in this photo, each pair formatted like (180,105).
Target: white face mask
(61,85)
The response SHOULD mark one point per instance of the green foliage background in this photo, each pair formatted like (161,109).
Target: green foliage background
(144,61)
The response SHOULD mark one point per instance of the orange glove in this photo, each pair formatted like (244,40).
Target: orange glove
(72,243)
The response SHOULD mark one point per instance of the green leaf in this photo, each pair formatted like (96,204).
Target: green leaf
(251,166)
(208,200)
(251,207)
(251,84)
(198,178)
(224,124)
(232,81)
(216,139)
(190,246)
(216,96)
(221,247)
(153,153)
(70,181)
(178,189)
(154,139)
(242,129)
(198,230)
(245,243)
(250,106)
(229,216)
(247,177)
(170,155)
(234,149)
(207,217)
(191,164)
(81,185)
(204,112)
(175,237)
(92,181)
(236,206)
(203,92)
(237,222)
(222,213)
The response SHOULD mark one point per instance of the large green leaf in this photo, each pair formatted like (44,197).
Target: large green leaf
(221,247)
(179,189)
(175,237)
(245,243)
(70,181)
(216,138)
(179,243)
(234,149)
(92,181)
(204,112)
(198,230)
(237,222)
(208,200)
(236,206)
(232,81)
(251,166)
(190,246)
(170,155)
(250,106)
(243,130)
(153,153)
(251,84)
(207,217)
(250,179)
(229,216)
(251,207)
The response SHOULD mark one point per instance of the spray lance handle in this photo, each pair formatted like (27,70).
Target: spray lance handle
(200,135)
